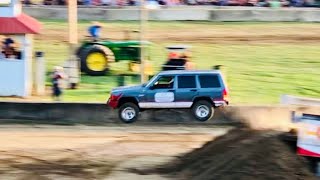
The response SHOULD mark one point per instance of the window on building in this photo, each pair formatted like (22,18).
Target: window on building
(10,48)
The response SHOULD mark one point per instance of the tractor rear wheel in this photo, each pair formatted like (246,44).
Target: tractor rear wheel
(94,61)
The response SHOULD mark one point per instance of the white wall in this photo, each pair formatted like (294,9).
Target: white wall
(16,75)
(12,82)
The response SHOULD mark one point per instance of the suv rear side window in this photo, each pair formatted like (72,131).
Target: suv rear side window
(187,82)
(209,81)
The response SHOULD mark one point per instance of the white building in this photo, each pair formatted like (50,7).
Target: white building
(16,58)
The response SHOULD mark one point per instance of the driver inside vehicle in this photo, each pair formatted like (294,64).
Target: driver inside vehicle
(165,82)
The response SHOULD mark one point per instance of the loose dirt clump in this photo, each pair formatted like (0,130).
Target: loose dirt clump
(241,154)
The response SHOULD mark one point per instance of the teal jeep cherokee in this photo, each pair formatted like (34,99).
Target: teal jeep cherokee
(198,90)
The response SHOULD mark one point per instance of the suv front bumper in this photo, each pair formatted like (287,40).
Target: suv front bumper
(112,104)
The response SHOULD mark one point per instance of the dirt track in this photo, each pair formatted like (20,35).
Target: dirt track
(205,37)
(56,152)
(147,152)
(206,34)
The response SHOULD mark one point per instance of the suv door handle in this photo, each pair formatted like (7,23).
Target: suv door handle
(193,90)
(171,90)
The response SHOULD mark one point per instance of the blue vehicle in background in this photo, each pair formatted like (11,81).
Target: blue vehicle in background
(198,90)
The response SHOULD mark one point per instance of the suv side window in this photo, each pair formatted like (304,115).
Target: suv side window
(209,81)
(187,82)
(164,82)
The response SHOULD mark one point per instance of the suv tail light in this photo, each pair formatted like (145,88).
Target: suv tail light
(225,94)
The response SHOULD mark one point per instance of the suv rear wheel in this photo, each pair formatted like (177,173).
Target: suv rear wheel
(128,112)
(202,110)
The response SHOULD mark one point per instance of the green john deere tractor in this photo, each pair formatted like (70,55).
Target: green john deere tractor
(96,56)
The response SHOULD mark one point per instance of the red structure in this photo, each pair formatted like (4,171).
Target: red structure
(22,24)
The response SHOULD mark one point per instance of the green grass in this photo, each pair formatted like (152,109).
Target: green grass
(256,72)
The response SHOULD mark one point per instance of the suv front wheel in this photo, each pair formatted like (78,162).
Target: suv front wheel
(202,110)
(128,112)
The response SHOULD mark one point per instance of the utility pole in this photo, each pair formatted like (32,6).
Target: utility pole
(73,63)
(143,30)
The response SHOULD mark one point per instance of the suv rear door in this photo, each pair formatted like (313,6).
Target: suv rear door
(186,91)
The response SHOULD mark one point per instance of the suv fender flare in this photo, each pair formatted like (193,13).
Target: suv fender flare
(125,99)
(205,98)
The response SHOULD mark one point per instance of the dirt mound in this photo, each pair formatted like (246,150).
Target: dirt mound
(241,154)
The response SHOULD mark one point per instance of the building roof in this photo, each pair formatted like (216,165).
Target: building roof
(22,24)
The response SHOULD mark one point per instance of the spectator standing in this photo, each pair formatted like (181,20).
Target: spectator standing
(173,2)
(105,2)
(132,2)
(296,3)
(222,2)
(252,3)
(47,2)
(309,3)
(57,77)
(61,2)
(27,2)
(285,3)
(121,2)
(96,2)
(274,3)
(87,2)
(164,2)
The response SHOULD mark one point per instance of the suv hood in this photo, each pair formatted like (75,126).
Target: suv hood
(127,89)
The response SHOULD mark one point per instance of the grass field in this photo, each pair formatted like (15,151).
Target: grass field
(262,60)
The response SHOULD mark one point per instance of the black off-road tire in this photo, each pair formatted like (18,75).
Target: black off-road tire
(83,58)
(130,108)
(202,107)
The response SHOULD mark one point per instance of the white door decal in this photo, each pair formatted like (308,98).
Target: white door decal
(164,97)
